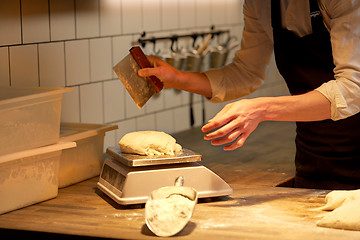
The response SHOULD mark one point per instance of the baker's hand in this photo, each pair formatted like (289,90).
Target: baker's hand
(162,70)
(234,123)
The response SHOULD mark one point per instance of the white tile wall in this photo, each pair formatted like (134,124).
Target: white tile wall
(198,114)
(114,99)
(181,119)
(110,17)
(203,13)
(52,69)
(75,43)
(165,121)
(185,97)
(10,22)
(87,18)
(91,103)
(100,59)
(172,98)
(155,103)
(218,13)
(146,122)
(35,21)
(132,17)
(77,62)
(151,15)
(62,19)
(187,13)
(170,14)
(131,110)
(234,11)
(70,110)
(120,49)
(24,65)
(110,139)
(124,127)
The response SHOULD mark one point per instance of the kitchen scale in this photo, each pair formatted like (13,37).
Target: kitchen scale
(129,179)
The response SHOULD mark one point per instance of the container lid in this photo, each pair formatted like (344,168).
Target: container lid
(37,151)
(15,96)
(25,93)
(77,131)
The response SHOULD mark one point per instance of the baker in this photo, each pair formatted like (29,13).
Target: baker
(317,51)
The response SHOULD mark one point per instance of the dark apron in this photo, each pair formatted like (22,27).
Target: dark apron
(327,152)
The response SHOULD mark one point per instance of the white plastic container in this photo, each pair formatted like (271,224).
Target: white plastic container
(30,117)
(84,161)
(30,176)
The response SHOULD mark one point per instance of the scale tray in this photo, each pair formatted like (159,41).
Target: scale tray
(135,160)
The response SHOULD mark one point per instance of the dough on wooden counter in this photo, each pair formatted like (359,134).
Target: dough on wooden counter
(346,210)
(345,217)
(337,198)
(149,143)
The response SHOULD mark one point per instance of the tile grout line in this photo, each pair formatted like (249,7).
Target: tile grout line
(121,18)
(89,61)
(99,17)
(49,20)
(103,101)
(65,68)
(79,101)
(38,62)
(21,24)
(75,23)
(9,60)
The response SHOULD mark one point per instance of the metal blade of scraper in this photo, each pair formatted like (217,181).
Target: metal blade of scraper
(139,88)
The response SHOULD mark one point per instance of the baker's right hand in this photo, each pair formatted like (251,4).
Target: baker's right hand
(162,70)
(194,82)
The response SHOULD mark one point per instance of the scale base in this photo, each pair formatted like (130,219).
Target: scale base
(129,185)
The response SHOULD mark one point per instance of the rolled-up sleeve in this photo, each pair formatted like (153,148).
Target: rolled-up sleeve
(343,21)
(246,73)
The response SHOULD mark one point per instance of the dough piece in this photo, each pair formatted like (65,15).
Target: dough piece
(149,143)
(337,198)
(346,210)
(345,217)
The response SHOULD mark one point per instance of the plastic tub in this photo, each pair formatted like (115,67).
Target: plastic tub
(30,176)
(84,161)
(30,117)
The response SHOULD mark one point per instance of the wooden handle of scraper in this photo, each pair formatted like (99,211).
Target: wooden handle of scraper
(143,62)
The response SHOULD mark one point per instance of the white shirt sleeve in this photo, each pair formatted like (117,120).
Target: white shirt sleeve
(246,73)
(343,21)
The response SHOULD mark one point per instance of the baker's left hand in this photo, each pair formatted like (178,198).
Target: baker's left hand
(234,123)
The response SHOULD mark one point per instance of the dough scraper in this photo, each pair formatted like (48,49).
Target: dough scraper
(140,89)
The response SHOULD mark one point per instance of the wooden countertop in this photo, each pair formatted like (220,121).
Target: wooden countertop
(256,209)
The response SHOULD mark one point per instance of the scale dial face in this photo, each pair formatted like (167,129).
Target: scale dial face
(113,177)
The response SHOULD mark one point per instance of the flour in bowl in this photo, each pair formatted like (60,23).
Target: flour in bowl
(168,216)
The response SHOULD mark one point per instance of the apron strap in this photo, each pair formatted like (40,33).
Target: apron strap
(275,14)
(314,8)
